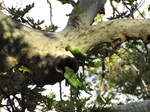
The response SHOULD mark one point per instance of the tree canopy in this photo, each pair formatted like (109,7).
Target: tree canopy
(115,57)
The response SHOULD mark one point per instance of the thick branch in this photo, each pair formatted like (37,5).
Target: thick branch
(114,32)
(134,107)
(44,53)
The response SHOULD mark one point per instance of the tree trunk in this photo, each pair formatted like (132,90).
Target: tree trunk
(44,53)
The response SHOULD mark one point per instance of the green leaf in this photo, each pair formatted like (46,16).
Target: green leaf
(149,8)
(25,69)
(98,64)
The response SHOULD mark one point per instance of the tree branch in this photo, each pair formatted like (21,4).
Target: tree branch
(134,107)
(91,8)
(44,53)
(50,8)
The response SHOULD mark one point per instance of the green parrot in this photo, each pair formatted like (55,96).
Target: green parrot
(71,77)
(79,55)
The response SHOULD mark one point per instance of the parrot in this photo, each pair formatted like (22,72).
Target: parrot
(76,52)
(79,55)
(71,77)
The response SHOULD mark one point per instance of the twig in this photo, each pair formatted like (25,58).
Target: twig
(136,69)
(139,7)
(23,98)
(9,99)
(50,7)
(60,91)
(115,9)
(145,87)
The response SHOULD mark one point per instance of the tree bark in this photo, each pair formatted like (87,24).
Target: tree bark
(143,106)
(44,53)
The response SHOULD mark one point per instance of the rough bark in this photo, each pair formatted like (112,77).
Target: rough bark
(143,106)
(44,53)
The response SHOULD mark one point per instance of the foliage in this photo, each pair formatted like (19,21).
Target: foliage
(18,96)
(129,8)
(20,16)
(121,69)
(131,73)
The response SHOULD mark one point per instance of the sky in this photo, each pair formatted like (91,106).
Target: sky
(41,11)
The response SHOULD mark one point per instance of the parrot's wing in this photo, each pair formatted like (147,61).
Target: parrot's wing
(83,87)
(71,77)
(78,54)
